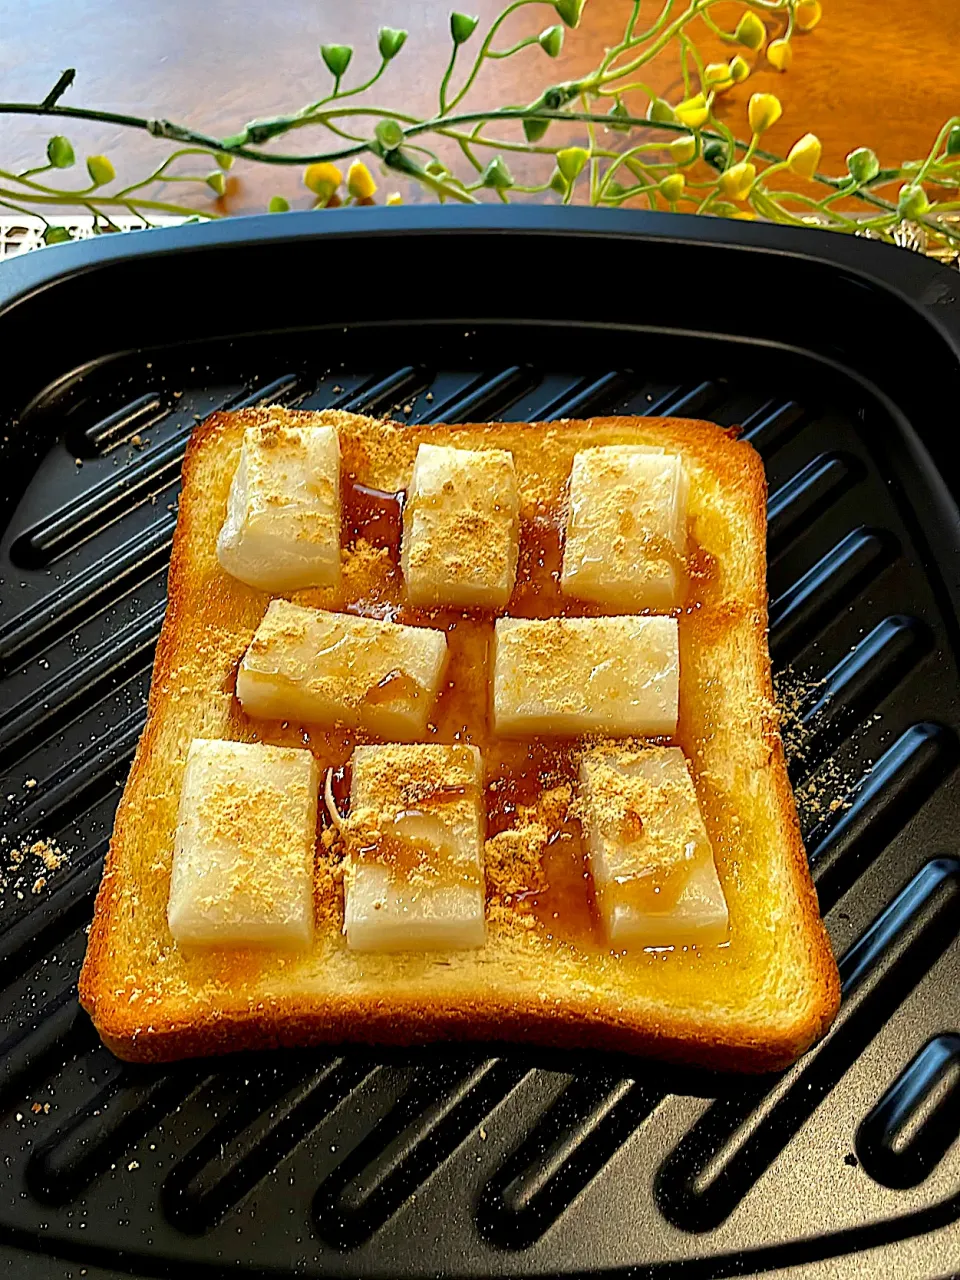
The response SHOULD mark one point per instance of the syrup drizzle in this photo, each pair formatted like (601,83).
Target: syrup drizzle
(518,772)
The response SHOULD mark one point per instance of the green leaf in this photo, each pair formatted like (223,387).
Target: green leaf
(337,57)
(390,40)
(101,171)
(617,111)
(278,204)
(217,182)
(571,162)
(497,175)
(388,134)
(223,160)
(56,235)
(569,11)
(863,165)
(953,141)
(462,27)
(60,153)
(551,40)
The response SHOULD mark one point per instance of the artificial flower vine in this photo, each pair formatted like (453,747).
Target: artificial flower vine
(593,142)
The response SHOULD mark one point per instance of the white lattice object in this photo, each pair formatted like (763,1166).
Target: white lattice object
(19,234)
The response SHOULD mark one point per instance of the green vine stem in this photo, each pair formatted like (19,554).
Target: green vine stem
(605,137)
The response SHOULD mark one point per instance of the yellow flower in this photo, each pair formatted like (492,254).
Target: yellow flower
(737,181)
(739,69)
(394,198)
(682,150)
(692,111)
(779,54)
(101,171)
(745,215)
(807,14)
(764,110)
(717,76)
(322,179)
(804,155)
(360,181)
(751,31)
(672,186)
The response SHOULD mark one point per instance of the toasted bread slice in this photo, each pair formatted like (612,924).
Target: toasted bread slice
(752,1004)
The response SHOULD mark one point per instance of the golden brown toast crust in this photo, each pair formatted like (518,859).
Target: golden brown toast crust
(754,1005)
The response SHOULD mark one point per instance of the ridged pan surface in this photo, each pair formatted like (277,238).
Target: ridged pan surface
(461,1162)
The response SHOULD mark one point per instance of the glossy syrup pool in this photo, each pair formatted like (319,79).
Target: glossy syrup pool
(516,771)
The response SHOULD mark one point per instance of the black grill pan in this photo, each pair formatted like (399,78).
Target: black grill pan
(840,360)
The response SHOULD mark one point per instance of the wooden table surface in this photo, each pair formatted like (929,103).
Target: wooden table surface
(879,73)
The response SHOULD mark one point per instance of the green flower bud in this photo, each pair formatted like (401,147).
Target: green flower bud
(683,150)
(571,162)
(953,141)
(751,31)
(462,27)
(278,204)
(56,235)
(60,154)
(533,130)
(236,140)
(863,164)
(437,168)
(217,182)
(551,40)
(615,114)
(558,183)
(337,57)
(715,154)
(569,11)
(497,175)
(614,190)
(101,171)
(388,134)
(739,69)
(390,40)
(672,186)
(912,202)
(223,160)
(737,181)
(661,112)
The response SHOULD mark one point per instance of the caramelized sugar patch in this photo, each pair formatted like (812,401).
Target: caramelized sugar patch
(566,910)
(537,592)
(376,515)
(518,773)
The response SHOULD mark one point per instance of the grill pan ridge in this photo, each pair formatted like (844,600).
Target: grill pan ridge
(505,1162)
